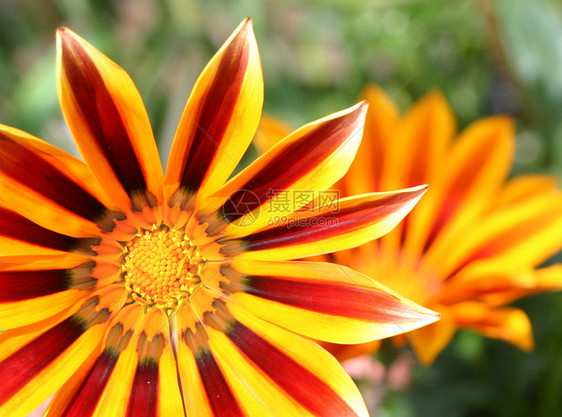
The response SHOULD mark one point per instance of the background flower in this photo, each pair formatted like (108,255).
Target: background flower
(473,244)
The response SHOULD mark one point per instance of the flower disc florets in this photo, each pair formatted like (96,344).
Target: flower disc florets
(161,267)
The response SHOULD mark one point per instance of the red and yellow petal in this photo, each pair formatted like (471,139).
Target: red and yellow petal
(81,394)
(30,295)
(320,300)
(20,236)
(205,389)
(342,225)
(50,187)
(155,387)
(21,284)
(287,374)
(36,362)
(134,374)
(22,313)
(143,380)
(108,120)
(218,122)
(113,367)
(292,172)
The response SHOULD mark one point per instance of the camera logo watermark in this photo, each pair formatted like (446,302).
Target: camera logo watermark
(244,205)
(283,208)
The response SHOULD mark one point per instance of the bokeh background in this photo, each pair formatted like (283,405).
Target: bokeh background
(488,57)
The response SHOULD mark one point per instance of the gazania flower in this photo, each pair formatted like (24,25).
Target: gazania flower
(473,243)
(129,292)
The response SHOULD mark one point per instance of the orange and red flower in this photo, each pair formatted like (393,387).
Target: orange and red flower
(473,243)
(126,291)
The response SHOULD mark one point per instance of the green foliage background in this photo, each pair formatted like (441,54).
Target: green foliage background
(488,57)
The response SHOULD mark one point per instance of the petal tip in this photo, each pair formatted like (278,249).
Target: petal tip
(66,38)
(421,189)
(506,123)
(361,106)
(245,28)
(416,192)
(355,113)
(64,33)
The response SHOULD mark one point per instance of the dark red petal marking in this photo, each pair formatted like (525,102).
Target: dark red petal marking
(15,226)
(87,398)
(21,285)
(101,115)
(297,381)
(218,392)
(27,167)
(25,364)
(296,160)
(323,297)
(144,392)
(325,225)
(215,112)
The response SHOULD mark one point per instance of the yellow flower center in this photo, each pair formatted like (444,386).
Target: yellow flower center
(161,267)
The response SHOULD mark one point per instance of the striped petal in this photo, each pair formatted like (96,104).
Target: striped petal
(30,295)
(320,300)
(219,120)
(144,378)
(34,364)
(94,381)
(80,396)
(108,120)
(155,389)
(51,187)
(274,372)
(20,236)
(347,223)
(292,173)
(206,390)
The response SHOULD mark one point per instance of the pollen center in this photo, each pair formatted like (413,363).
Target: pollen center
(161,267)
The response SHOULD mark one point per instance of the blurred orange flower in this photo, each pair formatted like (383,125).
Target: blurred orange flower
(473,243)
